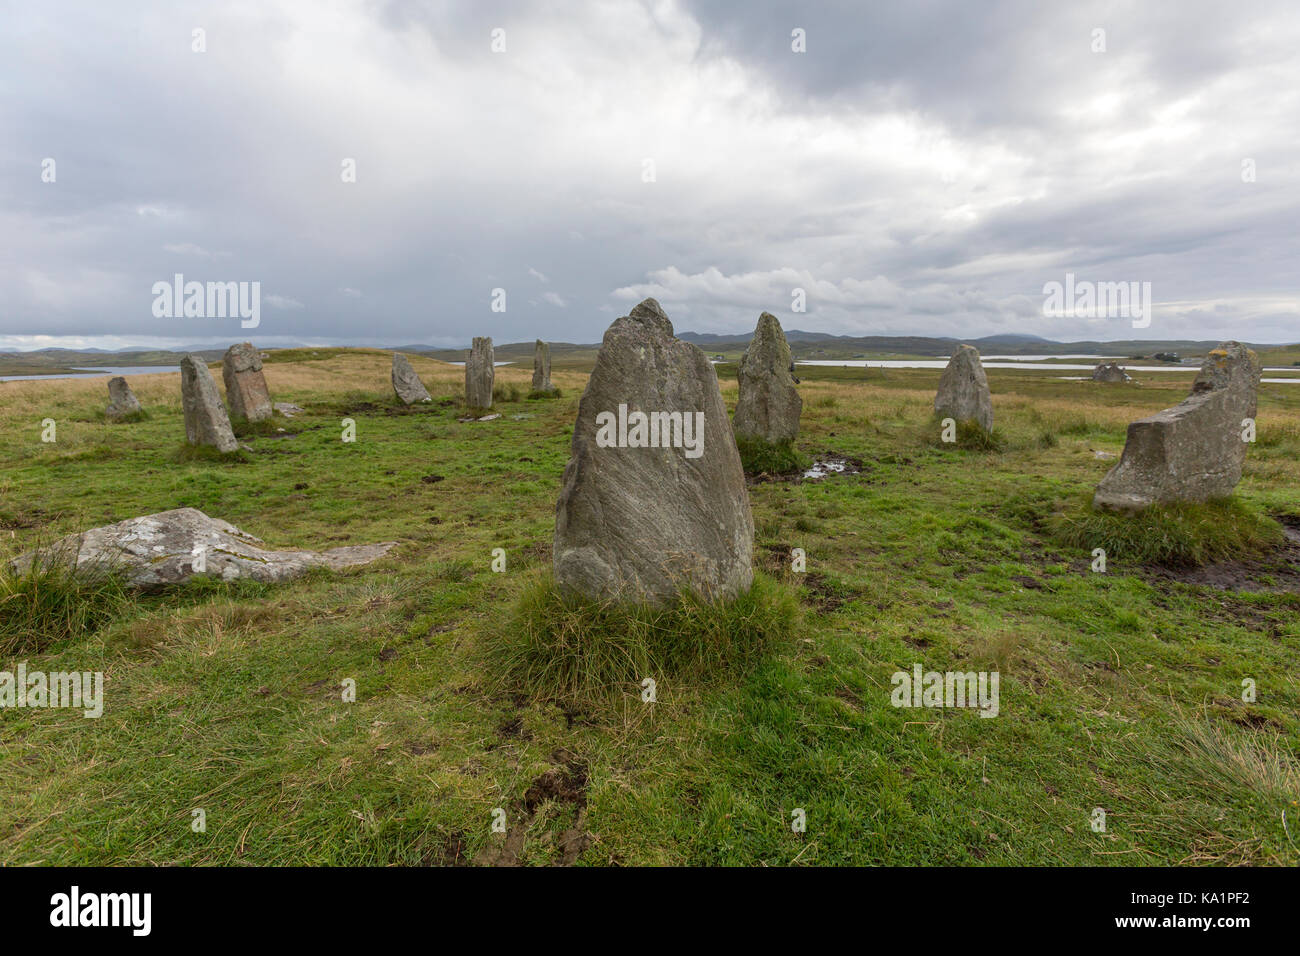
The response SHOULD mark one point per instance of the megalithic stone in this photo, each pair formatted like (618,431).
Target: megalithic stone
(1110,372)
(653,499)
(246,391)
(964,389)
(769,405)
(406,383)
(121,400)
(479,374)
(206,421)
(541,367)
(1194,451)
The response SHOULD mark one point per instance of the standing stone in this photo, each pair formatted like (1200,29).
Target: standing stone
(769,404)
(542,367)
(406,383)
(479,374)
(1110,372)
(121,400)
(1194,451)
(246,391)
(206,421)
(964,389)
(653,498)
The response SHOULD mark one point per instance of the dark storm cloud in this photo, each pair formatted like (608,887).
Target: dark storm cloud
(923,167)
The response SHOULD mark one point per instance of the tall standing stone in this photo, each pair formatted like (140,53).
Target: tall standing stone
(479,374)
(653,498)
(406,383)
(964,389)
(206,421)
(121,400)
(542,367)
(769,404)
(1194,451)
(246,391)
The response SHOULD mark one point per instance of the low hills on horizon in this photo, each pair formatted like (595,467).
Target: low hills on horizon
(804,345)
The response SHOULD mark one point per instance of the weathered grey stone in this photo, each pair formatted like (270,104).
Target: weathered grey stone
(769,405)
(288,409)
(246,391)
(479,374)
(542,367)
(1194,451)
(646,509)
(406,383)
(121,400)
(1110,372)
(206,421)
(163,548)
(964,389)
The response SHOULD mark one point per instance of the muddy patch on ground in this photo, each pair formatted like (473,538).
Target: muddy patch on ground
(826,465)
(1276,572)
(565,783)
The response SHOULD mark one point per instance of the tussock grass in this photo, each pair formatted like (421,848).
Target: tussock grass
(537,394)
(1182,534)
(970,436)
(50,602)
(139,415)
(559,647)
(506,392)
(243,428)
(762,457)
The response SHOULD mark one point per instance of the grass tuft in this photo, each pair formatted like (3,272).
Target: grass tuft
(50,602)
(762,457)
(558,647)
(187,453)
(1182,534)
(543,393)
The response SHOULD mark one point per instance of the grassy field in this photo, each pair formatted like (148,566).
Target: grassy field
(1120,691)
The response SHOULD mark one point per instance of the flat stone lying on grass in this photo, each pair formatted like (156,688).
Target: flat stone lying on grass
(162,549)
(769,406)
(206,421)
(480,373)
(246,391)
(406,383)
(1194,451)
(288,409)
(542,367)
(1110,372)
(653,498)
(964,389)
(121,400)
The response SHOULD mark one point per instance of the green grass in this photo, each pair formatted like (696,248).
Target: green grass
(762,457)
(1180,534)
(559,647)
(47,604)
(538,394)
(1118,690)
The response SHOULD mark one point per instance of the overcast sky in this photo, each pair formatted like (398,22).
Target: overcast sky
(923,168)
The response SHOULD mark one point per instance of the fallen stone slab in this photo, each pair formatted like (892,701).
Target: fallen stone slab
(964,389)
(288,409)
(121,400)
(1194,451)
(170,547)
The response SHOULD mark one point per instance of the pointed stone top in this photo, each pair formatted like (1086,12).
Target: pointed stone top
(1230,364)
(649,313)
(968,350)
